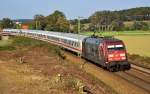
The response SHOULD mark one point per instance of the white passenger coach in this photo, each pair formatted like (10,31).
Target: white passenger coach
(69,41)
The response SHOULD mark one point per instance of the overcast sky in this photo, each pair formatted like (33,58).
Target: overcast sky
(26,9)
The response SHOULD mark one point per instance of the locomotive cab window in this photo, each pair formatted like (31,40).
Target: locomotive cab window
(115,47)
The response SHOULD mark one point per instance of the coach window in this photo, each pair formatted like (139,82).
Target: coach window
(69,42)
(72,43)
(43,36)
(75,44)
(78,44)
(49,37)
(64,40)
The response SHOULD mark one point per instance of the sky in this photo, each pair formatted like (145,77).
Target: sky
(26,9)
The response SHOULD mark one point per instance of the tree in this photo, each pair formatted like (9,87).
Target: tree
(57,22)
(63,24)
(117,25)
(140,25)
(110,17)
(7,23)
(39,22)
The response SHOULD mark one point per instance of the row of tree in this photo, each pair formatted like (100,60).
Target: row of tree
(116,19)
(53,22)
(100,20)
(6,23)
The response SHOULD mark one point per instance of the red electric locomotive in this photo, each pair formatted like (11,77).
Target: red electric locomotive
(108,52)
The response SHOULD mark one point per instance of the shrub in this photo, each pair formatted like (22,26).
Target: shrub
(140,26)
(9,48)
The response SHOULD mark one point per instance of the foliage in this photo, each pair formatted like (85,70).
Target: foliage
(39,22)
(140,26)
(6,45)
(25,42)
(100,20)
(7,23)
(83,21)
(57,22)
(117,25)
(53,22)
(115,17)
(8,48)
(141,13)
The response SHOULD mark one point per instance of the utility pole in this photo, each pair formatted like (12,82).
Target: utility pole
(38,24)
(70,26)
(78,25)
(79,54)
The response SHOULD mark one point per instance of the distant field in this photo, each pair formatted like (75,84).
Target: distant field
(137,42)
(121,33)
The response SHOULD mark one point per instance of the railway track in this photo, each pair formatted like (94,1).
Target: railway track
(140,68)
(137,76)
(134,81)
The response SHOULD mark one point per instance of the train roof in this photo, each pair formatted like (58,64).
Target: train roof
(58,34)
(97,39)
(70,36)
(110,39)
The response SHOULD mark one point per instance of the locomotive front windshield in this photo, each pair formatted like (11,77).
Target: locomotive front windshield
(115,47)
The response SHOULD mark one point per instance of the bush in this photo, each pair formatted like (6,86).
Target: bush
(23,42)
(140,26)
(117,25)
(8,48)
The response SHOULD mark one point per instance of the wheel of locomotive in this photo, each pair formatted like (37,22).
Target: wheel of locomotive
(111,69)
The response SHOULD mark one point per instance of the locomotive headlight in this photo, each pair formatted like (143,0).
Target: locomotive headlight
(122,55)
(123,58)
(110,55)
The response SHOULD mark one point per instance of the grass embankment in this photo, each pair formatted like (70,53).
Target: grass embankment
(137,44)
(43,70)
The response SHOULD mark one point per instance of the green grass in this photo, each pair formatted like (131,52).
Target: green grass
(5,42)
(119,33)
(6,45)
(24,44)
